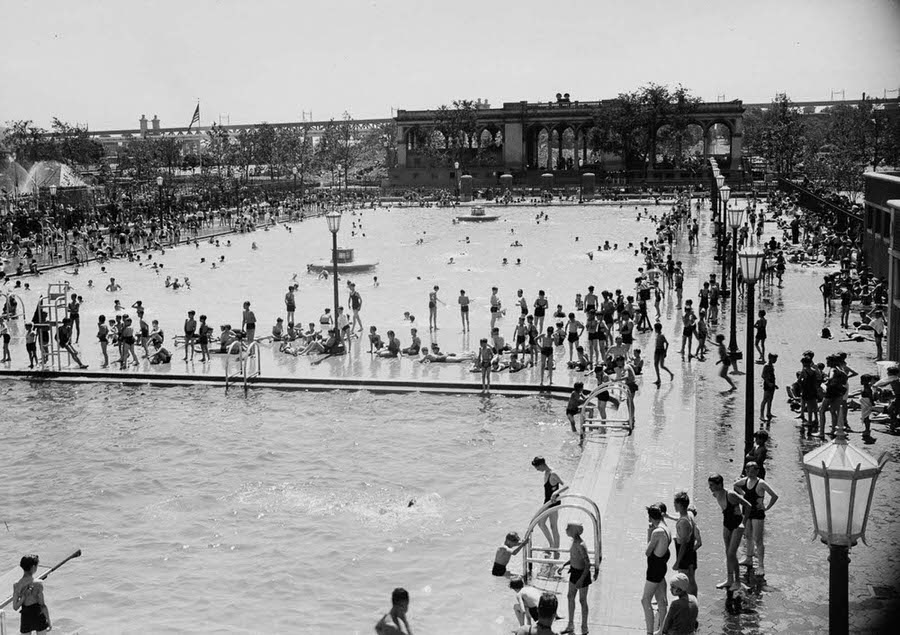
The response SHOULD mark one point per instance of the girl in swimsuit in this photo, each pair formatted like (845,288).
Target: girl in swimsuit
(553,487)
(658,554)
(733,506)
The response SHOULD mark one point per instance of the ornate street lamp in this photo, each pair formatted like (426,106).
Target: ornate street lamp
(333,219)
(841,481)
(295,180)
(723,233)
(751,264)
(456,172)
(735,220)
(159,186)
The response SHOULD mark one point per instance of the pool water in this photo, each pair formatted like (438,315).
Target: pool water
(283,512)
(552,260)
(290,511)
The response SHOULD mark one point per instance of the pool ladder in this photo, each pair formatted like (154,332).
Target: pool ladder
(573,503)
(594,418)
(248,365)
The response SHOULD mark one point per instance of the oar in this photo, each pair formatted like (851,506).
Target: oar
(49,571)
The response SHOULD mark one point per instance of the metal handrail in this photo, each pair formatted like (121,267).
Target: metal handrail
(240,371)
(248,355)
(593,512)
(610,386)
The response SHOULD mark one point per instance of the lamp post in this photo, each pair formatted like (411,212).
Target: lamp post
(159,186)
(456,172)
(333,219)
(840,480)
(295,181)
(735,219)
(751,264)
(723,233)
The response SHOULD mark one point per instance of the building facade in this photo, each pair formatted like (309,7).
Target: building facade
(528,140)
(881,244)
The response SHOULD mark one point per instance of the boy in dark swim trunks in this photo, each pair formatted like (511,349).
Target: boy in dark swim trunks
(576,400)
(28,595)
(510,547)
(484,359)
(579,576)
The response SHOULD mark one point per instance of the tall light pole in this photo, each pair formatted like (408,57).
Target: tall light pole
(456,172)
(735,219)
(751,264)
(334,225)
(841,481)
(723,233)
(159,186)
(295,181)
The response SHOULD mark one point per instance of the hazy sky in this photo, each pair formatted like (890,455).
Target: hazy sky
(105,62)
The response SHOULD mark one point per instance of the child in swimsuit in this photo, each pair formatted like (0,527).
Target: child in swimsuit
(510,547)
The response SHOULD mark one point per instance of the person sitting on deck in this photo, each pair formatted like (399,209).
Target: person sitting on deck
(393,346)
(161,354)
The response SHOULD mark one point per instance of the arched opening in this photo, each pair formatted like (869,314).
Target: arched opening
(678,147)
(544,139)
(566,158)
(718,141)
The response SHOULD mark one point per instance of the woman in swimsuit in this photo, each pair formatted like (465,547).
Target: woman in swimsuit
(733,506)
(658,554)
(553,487)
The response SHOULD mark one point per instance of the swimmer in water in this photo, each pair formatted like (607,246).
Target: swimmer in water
(253,246)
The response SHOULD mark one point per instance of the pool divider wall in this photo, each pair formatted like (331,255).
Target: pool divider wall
(293,383)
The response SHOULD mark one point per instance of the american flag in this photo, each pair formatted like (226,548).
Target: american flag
(196,117)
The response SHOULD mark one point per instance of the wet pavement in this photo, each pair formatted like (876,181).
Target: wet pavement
(793,595)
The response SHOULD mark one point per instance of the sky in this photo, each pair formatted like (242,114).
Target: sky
(105,62)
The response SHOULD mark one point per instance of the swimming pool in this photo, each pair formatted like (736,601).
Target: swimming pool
(290,510)
(278,512)
(552,260)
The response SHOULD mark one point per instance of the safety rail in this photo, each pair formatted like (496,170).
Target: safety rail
(8,300)
(595,555)
(251,354)
(247,359)
(593,416)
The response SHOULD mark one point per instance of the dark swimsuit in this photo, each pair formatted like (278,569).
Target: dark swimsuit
(575,576)
(730,520)
(657,565)
(753,497)
(549,490)
(33,619)
(688,549)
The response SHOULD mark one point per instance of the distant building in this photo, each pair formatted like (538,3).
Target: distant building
(530,139)
(881,244)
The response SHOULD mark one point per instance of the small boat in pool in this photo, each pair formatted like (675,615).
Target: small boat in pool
(477,215)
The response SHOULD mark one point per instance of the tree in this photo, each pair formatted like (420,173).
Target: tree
(28,142)
(327,150)
(457,125)
(264,152)
(777,134)
(73,145)
(294,149)
(347,148)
